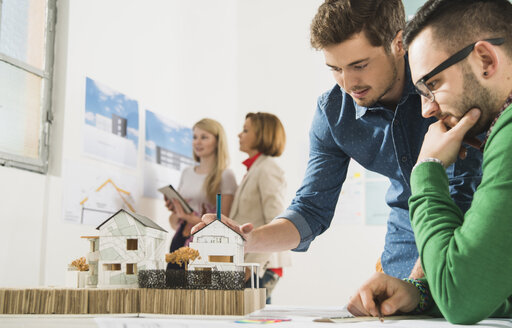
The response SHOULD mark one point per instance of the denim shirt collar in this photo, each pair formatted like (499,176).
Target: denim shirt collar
(408,90)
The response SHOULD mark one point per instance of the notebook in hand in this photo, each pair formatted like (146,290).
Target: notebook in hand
(171,193)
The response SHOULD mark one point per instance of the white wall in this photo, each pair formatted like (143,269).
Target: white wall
(186,60)
(22,198)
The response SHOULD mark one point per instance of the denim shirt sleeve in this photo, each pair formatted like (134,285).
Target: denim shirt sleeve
(464,177)
(312,209)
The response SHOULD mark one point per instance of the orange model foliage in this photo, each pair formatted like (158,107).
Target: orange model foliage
(182,255)
(80,264)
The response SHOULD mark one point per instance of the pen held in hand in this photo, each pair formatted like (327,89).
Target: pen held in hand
(377,304)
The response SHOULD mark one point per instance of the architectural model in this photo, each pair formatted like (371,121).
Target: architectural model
(127,275)
(220,247)
(127,243)
(219,263)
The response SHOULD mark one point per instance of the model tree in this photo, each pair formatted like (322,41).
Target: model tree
(80,264)
(183,255)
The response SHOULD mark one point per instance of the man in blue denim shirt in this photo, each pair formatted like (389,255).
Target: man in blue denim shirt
(372,115)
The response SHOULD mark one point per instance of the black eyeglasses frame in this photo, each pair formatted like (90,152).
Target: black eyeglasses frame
(421,86)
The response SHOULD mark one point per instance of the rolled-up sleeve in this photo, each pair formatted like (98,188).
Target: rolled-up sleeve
(312,209)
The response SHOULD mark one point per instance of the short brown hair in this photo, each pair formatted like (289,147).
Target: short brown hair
(338,20)
(270,136)
(458,23)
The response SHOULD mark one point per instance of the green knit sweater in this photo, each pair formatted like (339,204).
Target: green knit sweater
(467,259)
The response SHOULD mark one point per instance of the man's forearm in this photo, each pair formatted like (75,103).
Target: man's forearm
(417,271)
(278,235)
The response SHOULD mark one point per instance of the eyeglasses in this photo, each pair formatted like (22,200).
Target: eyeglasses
(421,85)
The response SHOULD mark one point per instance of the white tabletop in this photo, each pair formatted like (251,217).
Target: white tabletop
(298,316)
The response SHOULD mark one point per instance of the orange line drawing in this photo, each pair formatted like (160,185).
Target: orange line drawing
(119,191)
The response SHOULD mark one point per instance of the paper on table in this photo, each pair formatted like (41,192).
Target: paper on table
(301,317)
(272,311)
(201,322)
(346,319)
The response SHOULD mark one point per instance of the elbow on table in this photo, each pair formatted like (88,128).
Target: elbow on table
(462,319)
(460,313)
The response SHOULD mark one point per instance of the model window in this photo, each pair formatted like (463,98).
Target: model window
(220,258)
(131,268)
(212,239)
(132,244)
(112,266)
(218,239)
(203,269)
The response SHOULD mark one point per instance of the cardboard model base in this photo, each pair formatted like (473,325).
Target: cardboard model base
(134,300)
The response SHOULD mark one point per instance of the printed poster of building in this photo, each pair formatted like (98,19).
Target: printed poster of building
(168,151)
(111,130)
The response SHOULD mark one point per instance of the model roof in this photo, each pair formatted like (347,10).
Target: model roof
(223,224)
(147,222)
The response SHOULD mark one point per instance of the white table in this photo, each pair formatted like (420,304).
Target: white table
(300,317)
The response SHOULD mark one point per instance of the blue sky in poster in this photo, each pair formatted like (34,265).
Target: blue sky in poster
(102,100)
(163,132)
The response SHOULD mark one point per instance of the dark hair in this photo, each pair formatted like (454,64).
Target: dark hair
(338,20)
(270,136)
(458,23)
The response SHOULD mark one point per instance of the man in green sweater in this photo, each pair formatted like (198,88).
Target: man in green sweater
(460,53)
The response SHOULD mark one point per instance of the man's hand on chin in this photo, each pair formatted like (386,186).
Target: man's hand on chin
(445,144)
(450,122)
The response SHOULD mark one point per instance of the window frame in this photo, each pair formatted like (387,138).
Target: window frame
(39,165)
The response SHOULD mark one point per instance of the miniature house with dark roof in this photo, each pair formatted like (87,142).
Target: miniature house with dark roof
(127,243)
(221,248)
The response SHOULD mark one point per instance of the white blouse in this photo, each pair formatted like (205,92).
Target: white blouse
(191,188)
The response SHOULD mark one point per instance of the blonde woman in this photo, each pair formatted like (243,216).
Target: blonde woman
(260,196)
(200,184)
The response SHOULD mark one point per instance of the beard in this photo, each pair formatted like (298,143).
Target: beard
(390,83)
(475,95)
